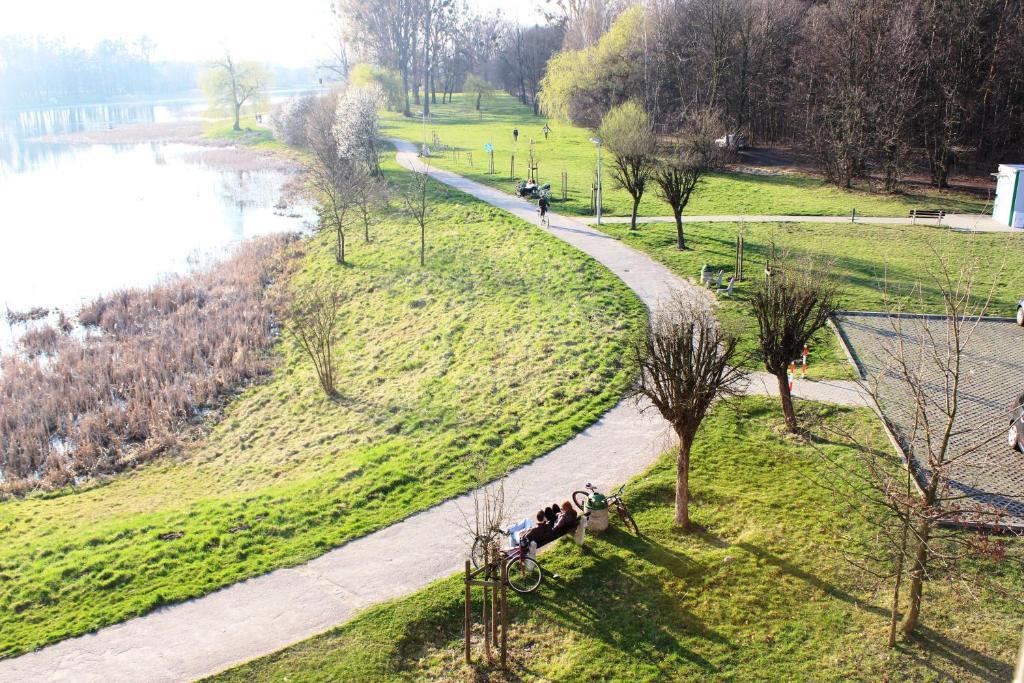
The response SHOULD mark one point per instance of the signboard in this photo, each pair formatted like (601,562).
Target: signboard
(488,147)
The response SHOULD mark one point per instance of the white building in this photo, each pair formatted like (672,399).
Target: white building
(1008,207)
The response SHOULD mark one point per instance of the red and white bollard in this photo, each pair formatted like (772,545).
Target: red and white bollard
(803,369)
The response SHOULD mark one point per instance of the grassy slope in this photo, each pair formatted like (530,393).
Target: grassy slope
(568,149)
(761,594)
(505,345)
(866,256)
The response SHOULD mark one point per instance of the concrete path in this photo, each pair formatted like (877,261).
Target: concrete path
(960,222)
(259,616)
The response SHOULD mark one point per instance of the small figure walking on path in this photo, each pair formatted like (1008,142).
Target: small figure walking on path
(515,135)
(547,129)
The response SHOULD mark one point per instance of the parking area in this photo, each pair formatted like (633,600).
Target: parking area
(986,470)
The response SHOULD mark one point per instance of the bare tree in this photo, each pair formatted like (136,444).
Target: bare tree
(686,363)
(417,202)
(479,87)
(794,300)
(918,375)
(373,193)
(312,318)
(231,84)
(489,516)
(627,132)
(679,175)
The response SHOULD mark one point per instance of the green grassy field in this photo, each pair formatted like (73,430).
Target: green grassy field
(867,257)
(504,346)
(253,134)
(760,593)
(568,149)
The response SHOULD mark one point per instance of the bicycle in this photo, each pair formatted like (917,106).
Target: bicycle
(523,574)
(545,218)
(580,498)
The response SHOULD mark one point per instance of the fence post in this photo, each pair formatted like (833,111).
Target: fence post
(565,183)
(853,216)
(469,616)
(512,168)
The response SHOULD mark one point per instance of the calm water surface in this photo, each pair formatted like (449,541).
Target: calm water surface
(80,220)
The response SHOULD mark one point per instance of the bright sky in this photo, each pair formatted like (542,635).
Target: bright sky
(292,33)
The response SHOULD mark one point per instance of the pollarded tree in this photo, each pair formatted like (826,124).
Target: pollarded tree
(791,302)
(679,175)
(232,84)
(686,362)
(355,127)
(627,132)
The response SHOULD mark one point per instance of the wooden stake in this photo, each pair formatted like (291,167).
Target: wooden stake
(469,616)
(504,618)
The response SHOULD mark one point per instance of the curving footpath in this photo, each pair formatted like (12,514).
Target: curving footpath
(261,615)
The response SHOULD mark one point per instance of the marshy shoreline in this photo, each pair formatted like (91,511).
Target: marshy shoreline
(137,369)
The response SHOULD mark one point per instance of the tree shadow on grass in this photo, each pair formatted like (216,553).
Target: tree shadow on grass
(631,610)
(930,642)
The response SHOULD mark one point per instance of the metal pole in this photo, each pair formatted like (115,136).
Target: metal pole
(599,183)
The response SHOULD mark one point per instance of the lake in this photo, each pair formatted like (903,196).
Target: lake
(80,220)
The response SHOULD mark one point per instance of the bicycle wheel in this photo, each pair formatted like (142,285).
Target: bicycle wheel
(476,553)
(523,574)
(580,499)
(627,519)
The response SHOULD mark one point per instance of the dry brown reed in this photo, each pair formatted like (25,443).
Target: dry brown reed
(143,366)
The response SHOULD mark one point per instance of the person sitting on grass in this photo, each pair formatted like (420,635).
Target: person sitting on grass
(566,521)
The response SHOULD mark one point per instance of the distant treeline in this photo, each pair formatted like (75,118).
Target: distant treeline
(42,72)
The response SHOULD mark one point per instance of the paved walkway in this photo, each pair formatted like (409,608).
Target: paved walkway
(255,617)
(960,222)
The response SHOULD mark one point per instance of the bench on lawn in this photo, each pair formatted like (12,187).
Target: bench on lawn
(937,214)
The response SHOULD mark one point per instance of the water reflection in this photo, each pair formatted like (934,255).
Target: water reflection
(80,220)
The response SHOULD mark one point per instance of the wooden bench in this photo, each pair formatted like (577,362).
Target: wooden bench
(937,214)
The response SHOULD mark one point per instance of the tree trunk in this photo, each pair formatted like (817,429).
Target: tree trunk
(340,248)
(238,110)
(787,402)
(680,240)
(917,577)
(423,243)
(632,219)
(683,483)
(894,616)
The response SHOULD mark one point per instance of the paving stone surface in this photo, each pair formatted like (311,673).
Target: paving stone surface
(985,471)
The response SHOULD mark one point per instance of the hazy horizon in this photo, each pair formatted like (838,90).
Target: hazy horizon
(296,35)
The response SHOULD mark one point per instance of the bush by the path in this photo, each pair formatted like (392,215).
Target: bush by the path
(760,593)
